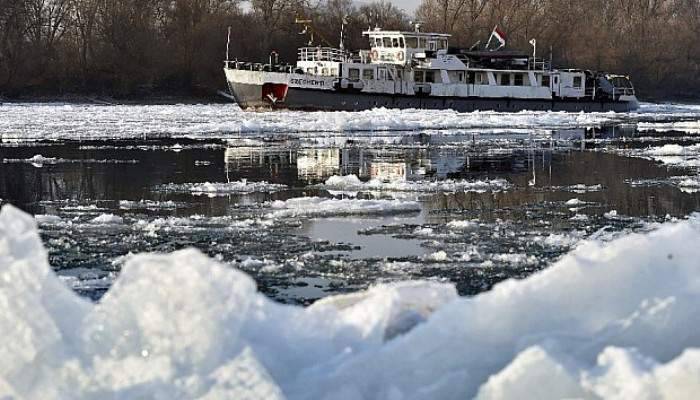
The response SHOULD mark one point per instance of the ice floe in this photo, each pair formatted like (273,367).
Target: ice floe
(579,188)
(670,154)
(324,207)
(149,205)
(87,121)
(594,325)
(692,127)
(353,183)
(39,161)
(221,189)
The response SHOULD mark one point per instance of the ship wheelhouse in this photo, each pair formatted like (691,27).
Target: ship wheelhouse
(399,47)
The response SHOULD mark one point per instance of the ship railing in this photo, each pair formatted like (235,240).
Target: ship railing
(542,65)
(623,91)
(248,66)
(321,54)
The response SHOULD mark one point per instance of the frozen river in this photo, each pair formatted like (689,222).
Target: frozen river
(317,204)
(312,204)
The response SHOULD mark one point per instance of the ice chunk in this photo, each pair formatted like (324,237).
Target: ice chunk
(107,219)
(574,202)
(536,373)
(462,225)
(243,379)
(438,256)
(38,314)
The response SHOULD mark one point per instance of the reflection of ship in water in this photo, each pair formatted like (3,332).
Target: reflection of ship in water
(317,164)
(288,164)
(269,163)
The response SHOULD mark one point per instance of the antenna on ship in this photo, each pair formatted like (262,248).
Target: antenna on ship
(309,28)
(342,32)
(228,43)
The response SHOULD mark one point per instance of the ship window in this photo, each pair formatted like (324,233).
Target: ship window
(577,82)
(545,80)
(460,76)
(419,76)
(442,44)
(324,71)
(431,46)
(518,81)
(421,43)
(387,42)
(505,80)
(377,42)
(395,42)
(354,73)
(471,77)
(334,71)
(368,74)
(401,43)
(430,76)
(411,42)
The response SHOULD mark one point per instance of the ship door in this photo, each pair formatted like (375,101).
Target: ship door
(398,83)
(555,85)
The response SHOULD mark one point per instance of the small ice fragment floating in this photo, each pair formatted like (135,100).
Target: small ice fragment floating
(184,326)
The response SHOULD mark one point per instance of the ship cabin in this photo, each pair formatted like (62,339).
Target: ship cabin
(422,63)
(321,61)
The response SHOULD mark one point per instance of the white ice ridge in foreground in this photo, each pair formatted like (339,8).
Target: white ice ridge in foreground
(353,183)
(614,321)
(221,189)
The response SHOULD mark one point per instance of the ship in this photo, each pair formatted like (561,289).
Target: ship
(419,70)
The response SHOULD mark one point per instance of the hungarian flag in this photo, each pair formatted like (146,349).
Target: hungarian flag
(499,35)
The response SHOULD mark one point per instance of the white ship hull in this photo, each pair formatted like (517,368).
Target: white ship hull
(309,92)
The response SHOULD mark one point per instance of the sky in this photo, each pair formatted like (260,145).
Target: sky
(409,6)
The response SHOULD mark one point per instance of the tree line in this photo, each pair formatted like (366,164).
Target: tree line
(141,47)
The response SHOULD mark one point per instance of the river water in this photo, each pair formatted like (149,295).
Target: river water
(312,204)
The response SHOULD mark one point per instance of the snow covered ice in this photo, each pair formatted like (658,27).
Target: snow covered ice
(90,121)
(613,320)
(403,210)
(353,183)
(320,207)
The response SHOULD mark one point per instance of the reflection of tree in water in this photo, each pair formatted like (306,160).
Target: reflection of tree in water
(555,173)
